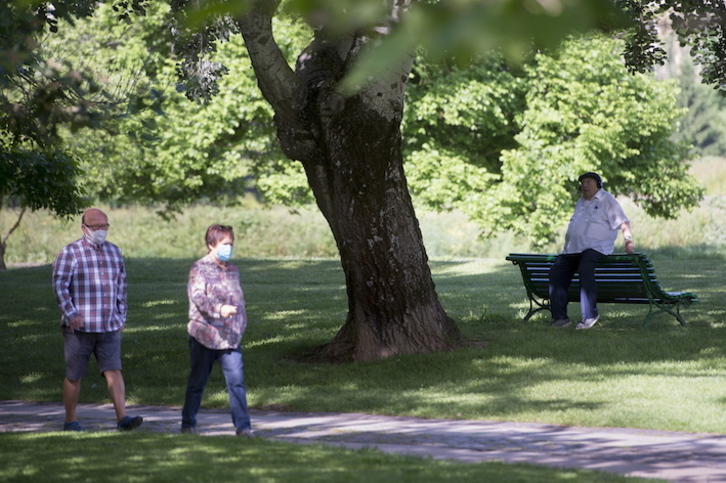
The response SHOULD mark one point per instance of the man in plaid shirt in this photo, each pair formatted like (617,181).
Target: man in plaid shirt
(89,281)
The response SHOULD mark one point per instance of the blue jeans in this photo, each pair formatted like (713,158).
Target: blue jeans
(202,361)
(561,273)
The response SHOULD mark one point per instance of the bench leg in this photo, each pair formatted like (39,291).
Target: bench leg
(663,308)
(678,315)
(533,310)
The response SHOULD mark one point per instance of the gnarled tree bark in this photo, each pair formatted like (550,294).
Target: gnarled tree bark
(351,151)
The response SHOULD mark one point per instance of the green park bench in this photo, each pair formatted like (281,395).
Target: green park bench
(621,279)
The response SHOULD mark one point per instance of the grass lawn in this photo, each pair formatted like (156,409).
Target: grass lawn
(617,374)
(614,375)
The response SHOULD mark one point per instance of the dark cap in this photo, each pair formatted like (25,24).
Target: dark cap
(594,176)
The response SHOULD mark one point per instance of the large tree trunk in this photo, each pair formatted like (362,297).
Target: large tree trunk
(392,302)
(351,151)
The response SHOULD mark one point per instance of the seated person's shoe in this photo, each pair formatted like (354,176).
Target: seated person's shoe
(587,323)
(562,322)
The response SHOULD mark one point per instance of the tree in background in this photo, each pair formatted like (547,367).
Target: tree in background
(42,97)
(207,149)
(37,97)
(704,125)
(457,122)
(506,146)
(698,24)
(585,112)
(40,179)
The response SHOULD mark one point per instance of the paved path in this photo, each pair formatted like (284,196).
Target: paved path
(681,457)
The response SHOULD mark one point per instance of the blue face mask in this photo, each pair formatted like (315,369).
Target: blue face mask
(225,252)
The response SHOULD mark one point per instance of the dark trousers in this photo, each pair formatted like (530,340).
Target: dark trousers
(561,273)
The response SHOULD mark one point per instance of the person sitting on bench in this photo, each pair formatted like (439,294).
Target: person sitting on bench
(590,236)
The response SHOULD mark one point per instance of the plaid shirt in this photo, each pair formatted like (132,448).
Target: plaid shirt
(211,286)
(91,281)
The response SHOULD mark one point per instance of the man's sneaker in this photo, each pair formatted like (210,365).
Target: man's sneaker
(128,423)
(189,430)
(562,322)
(72,426)
(587,323)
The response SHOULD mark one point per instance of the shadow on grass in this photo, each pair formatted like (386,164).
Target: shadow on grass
(296,305)
(102,457)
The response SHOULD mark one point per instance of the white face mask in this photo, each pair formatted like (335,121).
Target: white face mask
(98,236)
(224,253)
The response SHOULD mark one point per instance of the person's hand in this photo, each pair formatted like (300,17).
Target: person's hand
(75,322)
(629,246)
(227,311)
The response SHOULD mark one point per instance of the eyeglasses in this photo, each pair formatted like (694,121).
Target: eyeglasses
(103,226)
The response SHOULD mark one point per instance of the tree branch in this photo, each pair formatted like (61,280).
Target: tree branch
(14,227)
(277,81)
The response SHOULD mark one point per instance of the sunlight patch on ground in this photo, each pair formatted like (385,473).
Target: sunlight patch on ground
(31,378)
(154,303)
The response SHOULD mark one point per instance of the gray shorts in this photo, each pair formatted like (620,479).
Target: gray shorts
(78,347)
